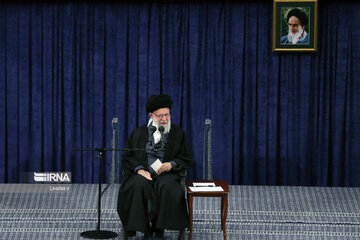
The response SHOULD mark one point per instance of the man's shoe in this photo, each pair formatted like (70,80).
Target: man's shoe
(130,234)
(181,235)
(148,235)
(159,233)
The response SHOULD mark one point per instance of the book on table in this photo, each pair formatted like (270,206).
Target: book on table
(205,187)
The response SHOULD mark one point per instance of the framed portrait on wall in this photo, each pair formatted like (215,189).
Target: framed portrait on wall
(295,25)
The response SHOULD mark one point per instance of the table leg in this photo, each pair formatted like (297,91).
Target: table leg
(224,206)
(190,199)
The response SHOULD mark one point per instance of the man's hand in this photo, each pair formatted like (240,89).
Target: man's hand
(165,167)
(145,174)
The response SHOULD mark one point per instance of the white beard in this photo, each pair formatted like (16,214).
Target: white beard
(157,133)
(295,37)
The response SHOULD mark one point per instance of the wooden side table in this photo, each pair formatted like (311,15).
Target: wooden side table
(224,201)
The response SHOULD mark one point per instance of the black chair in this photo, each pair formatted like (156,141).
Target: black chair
(182,232)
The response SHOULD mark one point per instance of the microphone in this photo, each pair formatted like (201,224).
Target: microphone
(152,130)
(161,130)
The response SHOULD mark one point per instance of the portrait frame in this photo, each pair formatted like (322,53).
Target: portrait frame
(308,38)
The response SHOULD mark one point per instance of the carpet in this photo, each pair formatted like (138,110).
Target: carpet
(30,211)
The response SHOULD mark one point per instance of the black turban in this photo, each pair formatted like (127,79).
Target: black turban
(300,14)
(158,101)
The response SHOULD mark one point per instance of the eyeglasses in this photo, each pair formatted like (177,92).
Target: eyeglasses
(167,115)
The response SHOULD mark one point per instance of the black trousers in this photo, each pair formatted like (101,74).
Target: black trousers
(168,205)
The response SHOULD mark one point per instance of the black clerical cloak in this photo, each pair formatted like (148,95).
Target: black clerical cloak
(168,211)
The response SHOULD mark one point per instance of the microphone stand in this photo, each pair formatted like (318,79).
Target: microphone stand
(101,234)
(161,130)
(152,130)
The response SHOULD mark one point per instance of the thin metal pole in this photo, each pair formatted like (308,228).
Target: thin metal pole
(100,155)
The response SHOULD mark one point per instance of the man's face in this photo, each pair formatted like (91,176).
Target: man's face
(294,24)
(161,116)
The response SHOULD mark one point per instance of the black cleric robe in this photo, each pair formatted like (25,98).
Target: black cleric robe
(168,208)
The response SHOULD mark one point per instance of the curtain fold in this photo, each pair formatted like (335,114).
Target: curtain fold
(277,118)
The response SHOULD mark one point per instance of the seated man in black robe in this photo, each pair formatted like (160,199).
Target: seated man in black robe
(152,199)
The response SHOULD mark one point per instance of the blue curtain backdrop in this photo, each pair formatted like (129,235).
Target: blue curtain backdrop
(278,118)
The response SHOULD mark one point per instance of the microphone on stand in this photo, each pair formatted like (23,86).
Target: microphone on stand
(152,130)
(161,130)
